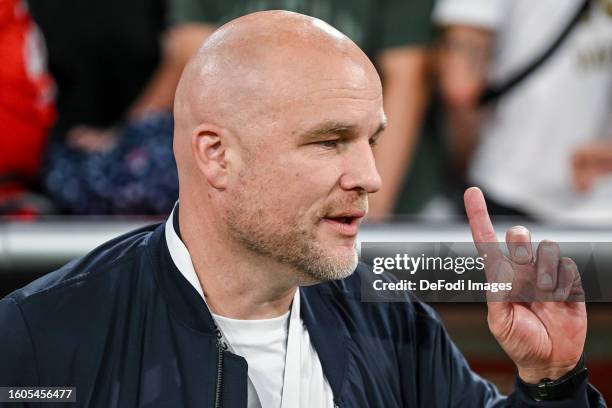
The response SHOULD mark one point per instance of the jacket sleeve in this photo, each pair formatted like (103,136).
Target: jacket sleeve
(17,357)
(440,362)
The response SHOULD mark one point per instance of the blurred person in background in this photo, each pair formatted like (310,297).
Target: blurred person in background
(26,110)
(529,145)
(591,163)
(394,33)
(101,55)
(95,167)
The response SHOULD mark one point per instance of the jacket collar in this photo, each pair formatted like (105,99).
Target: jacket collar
(185,304)
(327,332)
(179,252)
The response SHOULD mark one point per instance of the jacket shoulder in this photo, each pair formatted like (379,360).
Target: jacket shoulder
(16,353)
(59,329)
(106,258)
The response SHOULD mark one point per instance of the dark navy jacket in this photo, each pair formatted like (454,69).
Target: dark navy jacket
(127,329)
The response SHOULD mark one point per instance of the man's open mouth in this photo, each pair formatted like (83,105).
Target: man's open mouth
(346,223)
(346,217)
(343,220)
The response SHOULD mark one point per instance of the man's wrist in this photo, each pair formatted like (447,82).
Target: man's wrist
(534,375)
(549,388)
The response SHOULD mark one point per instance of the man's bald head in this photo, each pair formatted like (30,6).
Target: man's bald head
(248,70)
(275,117)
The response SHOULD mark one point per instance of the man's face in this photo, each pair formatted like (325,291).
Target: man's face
(302,189)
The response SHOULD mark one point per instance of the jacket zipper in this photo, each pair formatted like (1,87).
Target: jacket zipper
(221,347)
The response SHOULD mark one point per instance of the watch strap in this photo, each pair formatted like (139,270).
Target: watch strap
(561,388)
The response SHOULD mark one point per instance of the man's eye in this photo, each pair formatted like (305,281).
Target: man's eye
(328,143)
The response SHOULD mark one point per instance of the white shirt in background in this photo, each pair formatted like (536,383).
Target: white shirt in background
(525,146)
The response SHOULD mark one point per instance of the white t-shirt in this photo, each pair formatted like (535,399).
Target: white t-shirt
(523,157)
(263,343)
(283,364)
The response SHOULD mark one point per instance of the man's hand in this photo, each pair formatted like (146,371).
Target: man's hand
(543,333)
(92,139)
(590,162)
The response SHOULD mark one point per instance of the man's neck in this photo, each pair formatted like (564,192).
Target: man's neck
(236,282)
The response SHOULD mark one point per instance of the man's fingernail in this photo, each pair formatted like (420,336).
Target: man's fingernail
(545,279)
(559,294)
(520,252)
(549,250)
(520,229)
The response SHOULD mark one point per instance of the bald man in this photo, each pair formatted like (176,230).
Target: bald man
(249,296)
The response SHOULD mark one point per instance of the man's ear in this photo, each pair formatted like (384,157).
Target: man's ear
(209,145)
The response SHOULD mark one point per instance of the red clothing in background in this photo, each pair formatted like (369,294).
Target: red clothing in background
(26,92)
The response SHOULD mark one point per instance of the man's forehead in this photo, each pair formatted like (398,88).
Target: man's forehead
(337,77)
(313,71)
(327,104)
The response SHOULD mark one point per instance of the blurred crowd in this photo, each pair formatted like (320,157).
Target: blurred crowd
(512,96)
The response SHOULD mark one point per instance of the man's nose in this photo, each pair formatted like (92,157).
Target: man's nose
(360,169)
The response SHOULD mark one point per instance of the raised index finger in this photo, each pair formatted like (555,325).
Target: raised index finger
(497,267)
(483,233)
(478,216)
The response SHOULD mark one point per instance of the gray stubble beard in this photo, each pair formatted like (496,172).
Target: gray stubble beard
(297,249)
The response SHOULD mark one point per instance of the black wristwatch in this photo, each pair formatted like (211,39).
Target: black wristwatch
(563,387)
